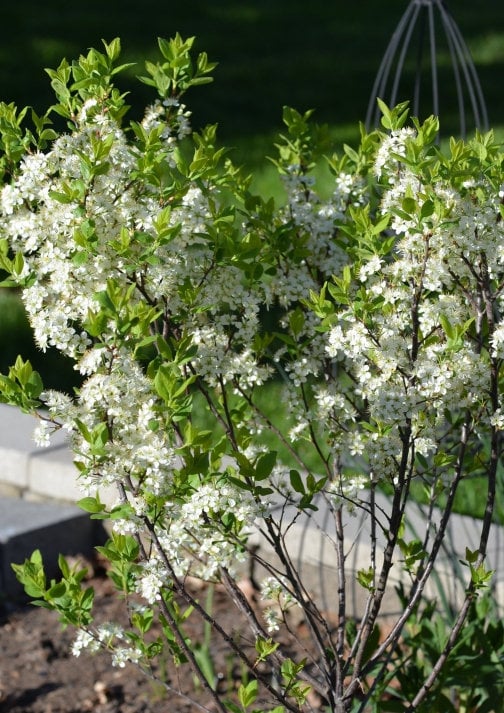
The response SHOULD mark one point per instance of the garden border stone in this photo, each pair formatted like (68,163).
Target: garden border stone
(48,526)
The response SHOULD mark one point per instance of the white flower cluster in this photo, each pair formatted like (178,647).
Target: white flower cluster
(70,212)
(106,636)
(401,392)
(278,599)
(316,222)
(92,640)
(155,117)
(449,241)
(345,492)
(194,532)
(391,150)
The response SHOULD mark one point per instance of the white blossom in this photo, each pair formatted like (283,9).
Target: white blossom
(85,640)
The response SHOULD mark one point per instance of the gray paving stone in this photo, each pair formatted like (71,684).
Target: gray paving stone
(17,447)
(50,527)
(52,474)
(310,541)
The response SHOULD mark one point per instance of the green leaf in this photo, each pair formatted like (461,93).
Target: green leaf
(351,153)
(447,326)
(371,644)
(409,205)
(87,599)
(264,648)
(297,482)
(413,552)
(113,49)
(57,590)
(481,576)
(265,464)
(166,382)
(90,504)
(365,578)
(427,209)
(386,119)
(142,620)
(247,694)
(471,555)
(296,321)
(31,575)
(380,226)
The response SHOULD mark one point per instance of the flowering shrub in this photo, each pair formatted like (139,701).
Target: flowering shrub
(143,255)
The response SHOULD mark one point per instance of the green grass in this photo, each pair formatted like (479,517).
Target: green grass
(16,338)
(308,55)
(470,498)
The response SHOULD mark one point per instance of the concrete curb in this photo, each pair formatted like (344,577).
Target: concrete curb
(31,472)
(50,527)
(38,491)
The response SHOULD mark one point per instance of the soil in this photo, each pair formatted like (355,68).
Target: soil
(39,674)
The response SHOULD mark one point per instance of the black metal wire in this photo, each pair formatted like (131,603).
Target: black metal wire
(419,21)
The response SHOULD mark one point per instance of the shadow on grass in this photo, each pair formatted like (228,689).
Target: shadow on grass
(16,338)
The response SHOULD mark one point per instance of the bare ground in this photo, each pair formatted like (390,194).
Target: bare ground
(39,674)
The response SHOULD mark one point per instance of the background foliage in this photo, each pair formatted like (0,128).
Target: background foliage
(288,52)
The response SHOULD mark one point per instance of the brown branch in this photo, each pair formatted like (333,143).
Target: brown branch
(485,291)
(182,591)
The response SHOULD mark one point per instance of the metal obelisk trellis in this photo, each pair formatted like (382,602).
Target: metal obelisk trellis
(420,24)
